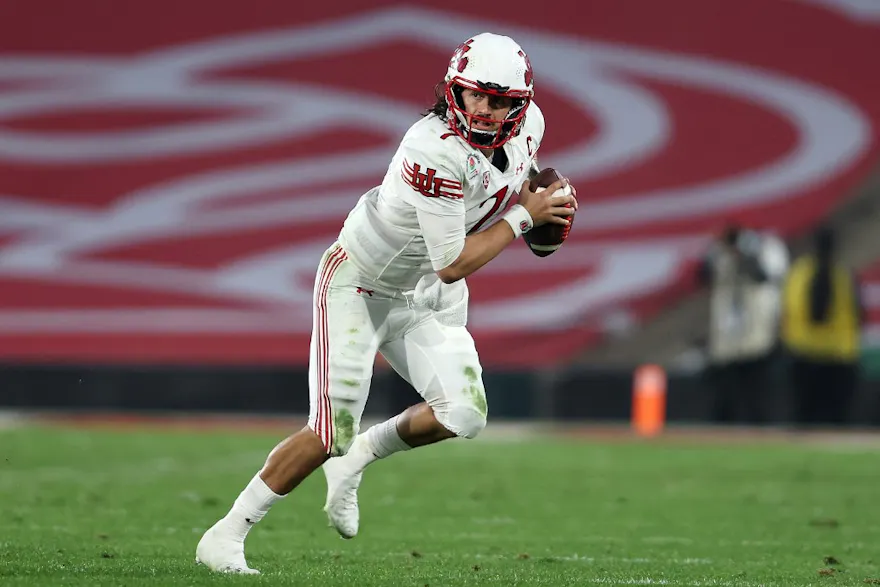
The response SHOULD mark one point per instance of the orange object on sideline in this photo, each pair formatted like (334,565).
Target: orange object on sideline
(649,400)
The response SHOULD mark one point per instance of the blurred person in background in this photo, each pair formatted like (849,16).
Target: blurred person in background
(744,270)
(821,330)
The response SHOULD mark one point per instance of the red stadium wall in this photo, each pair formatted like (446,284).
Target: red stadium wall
(170,174)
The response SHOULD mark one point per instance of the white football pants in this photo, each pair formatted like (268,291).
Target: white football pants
(354,319)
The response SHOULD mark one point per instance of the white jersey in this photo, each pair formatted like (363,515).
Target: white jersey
(437,190)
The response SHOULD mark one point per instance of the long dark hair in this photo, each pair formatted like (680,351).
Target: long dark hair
(440,106)
(821,290)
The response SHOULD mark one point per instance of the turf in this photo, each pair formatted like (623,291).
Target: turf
(99,507)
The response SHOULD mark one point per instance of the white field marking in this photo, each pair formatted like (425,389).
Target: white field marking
(130,473)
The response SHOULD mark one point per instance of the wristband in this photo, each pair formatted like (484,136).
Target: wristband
(519,220)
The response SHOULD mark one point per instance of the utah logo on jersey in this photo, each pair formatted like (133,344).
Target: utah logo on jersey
(428,183)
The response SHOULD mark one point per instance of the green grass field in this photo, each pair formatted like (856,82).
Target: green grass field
(102,507)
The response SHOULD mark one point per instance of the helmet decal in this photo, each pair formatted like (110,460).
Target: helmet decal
(528,76)
(459,61)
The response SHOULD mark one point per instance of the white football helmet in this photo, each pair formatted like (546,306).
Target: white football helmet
(491,64)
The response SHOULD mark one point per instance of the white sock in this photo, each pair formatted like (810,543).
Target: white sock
(380,441)
(384,440)
(252,504)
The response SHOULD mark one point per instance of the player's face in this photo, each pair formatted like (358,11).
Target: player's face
(486,106)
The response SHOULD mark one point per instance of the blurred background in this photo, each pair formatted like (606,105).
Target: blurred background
(170,174)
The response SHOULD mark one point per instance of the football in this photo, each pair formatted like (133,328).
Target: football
(545,239)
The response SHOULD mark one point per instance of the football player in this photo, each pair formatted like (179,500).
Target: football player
(393,283)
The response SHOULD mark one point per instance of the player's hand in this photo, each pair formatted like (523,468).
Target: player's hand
(547,206)
(574,192)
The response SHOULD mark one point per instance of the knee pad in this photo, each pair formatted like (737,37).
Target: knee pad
(463,420)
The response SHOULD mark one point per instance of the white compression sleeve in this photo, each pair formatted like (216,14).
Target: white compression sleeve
(444,236)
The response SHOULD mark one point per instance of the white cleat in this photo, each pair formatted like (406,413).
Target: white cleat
(342,502)
(222,552)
